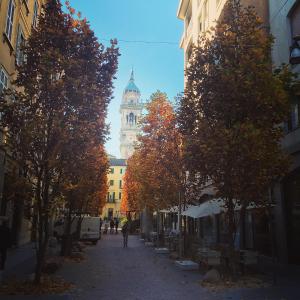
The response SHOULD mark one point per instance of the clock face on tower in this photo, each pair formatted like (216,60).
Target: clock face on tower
(131,110)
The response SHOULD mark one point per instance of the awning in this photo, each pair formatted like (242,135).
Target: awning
(211,207)
(208,208)
(173,209)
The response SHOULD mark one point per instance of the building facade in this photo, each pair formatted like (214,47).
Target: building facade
(131,111)
(282,18)
(285,27)
(17,18)
(115,178)
(200,15)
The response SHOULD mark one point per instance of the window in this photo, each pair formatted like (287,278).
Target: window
(3,79)
(295,20)
(10,19)
(111,182)
(121,171)
(114,196)
(108,197)
(189,53)
(120,196)
(120,184)
(294,120)
(111,170)
(131,118)
(188,20)
(205,15)
(35,14)
(200,24)
(20,43)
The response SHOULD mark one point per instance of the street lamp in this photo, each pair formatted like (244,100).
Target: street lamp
(295,51)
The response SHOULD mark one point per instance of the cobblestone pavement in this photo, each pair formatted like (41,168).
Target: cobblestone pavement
(137,273)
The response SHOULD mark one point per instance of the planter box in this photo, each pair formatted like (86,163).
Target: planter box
(149,244)
(187,265)
(210,257)
(161,250)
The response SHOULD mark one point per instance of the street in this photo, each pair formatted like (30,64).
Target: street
(112,272)
(137,273)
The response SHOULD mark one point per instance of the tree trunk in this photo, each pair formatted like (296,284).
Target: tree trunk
(42,195)
(67,237)
(232,232)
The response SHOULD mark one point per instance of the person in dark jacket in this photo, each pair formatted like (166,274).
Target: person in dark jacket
(125,232)
(112,226)
(116,225)
(4,243)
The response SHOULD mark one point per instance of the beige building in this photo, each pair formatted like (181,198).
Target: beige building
(17,18)
(112,207)
(200,15)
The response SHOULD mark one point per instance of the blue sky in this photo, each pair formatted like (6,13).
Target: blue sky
(156,66)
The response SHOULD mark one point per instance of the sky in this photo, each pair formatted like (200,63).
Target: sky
(157,66)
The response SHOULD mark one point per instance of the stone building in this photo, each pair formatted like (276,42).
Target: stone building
(17,18)
(131,111)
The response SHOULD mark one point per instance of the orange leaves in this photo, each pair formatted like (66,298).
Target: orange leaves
(153,173)
(232,108)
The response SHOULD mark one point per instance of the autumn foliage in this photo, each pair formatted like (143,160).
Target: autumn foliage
(231,113)
(153,173)
(55,115)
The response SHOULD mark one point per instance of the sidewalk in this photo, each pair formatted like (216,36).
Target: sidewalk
(20,262)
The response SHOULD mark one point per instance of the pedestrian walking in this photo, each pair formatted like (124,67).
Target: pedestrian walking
(5,241)
(105,227)
(100,226)
(125,231)
(112,226)
(117,225)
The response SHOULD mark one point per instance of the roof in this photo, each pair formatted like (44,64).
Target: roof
(119,162)
(131,86)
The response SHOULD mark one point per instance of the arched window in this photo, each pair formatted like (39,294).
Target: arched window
(131,118)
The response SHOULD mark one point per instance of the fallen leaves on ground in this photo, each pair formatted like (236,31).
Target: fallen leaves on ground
(49,285)
(75,257)
(243,282)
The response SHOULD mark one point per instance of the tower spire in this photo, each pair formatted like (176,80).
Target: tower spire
(132,75)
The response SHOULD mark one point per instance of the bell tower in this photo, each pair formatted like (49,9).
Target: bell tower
(131,111)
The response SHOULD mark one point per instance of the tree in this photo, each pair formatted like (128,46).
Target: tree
(231,112)
(84,190)
(153,179)
(159,161)
(60,97)
(131,196)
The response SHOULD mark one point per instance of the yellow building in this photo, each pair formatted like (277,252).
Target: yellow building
(17,18)
(115,178)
